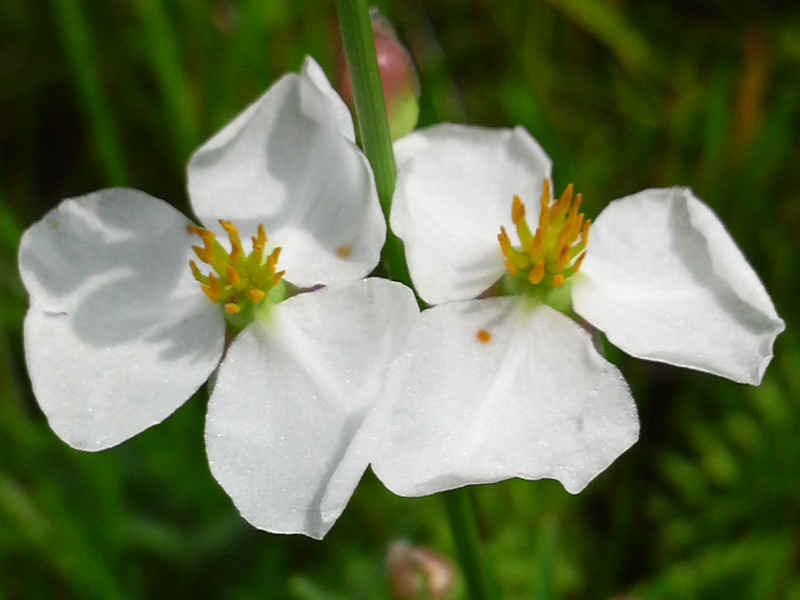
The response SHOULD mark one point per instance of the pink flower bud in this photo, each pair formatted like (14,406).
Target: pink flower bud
(418,572)
(398,78)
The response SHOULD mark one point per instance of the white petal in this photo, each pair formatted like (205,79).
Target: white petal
(285,434)
(335,110)
(285,163)
(455,184)
(666,282)
(119,334)
(536,401)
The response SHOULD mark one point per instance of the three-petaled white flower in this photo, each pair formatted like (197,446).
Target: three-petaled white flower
(489,388)
(121,331)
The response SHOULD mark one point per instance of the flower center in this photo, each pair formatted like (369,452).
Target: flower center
(554,253)
(239,281)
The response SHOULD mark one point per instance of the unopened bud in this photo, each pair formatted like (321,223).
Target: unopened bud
(416,572)
(398,78)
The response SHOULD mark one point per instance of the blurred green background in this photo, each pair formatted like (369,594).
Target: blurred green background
(622,94)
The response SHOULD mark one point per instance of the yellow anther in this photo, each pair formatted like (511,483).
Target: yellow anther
(536,245)
(573,212)
(511,268)
(544,204)
(577,264)
(505,243)
(537,273)
(196,272)
(549,256)
(565,200)
(203,253)
(211,295)
(517,210)
(585,232)
(213,284)
(237,280)
(272,259)
(563,256)
(229,227)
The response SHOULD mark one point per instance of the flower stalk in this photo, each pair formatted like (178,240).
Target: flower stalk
(373,125)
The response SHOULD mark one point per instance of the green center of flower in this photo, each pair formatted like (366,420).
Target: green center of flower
(554,253)
(240,282)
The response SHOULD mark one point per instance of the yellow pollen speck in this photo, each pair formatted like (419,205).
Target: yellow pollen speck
(232,308)
(344,251)
(484,337)
(554,252)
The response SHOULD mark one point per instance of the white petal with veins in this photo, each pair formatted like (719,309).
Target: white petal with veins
(666,282)
(286,163)
(454,189)
(118,334)
(285,429)
(535,401)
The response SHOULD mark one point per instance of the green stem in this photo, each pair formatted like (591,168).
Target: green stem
(359,50)
(461,516)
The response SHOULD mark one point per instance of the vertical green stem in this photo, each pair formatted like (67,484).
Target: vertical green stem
(76,39)
(359,50)
(461,516)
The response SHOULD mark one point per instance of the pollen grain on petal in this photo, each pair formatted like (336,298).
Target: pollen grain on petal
(484,337)
(344,251)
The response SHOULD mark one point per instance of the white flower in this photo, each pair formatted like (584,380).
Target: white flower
(489,388)
(120,332)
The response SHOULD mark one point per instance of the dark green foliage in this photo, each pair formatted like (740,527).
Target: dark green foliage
(622,95)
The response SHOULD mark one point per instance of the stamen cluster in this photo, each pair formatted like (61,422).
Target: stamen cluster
(241,280)
(554,253)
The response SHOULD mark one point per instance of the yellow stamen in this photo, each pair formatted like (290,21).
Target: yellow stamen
(537,273)
(237,280)
(555,251)
(585,232)
(517,210)
(511,268)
